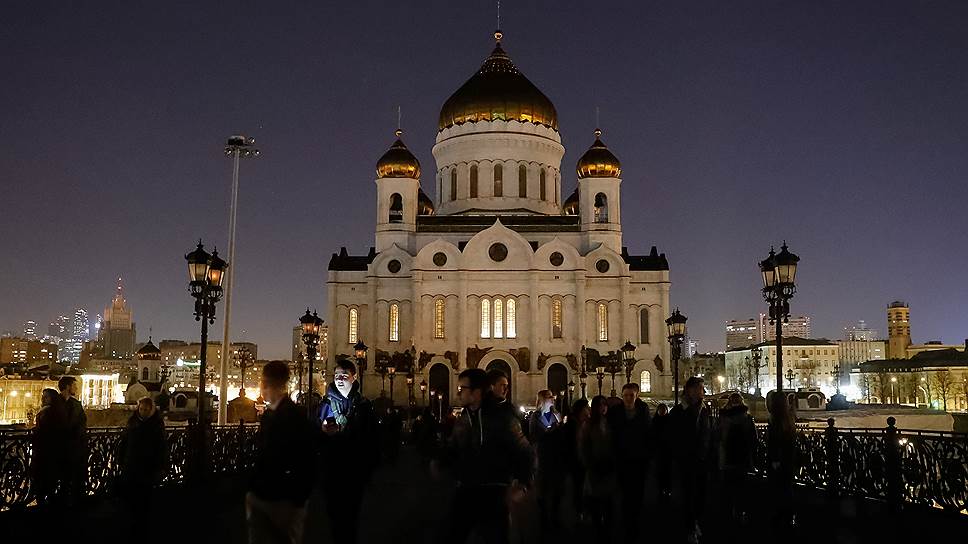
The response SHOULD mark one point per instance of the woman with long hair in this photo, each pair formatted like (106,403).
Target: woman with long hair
(781,449)
(49,447)
(598,457)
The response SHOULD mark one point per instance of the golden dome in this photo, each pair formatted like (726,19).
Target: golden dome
(570,207)
(425,206)
(598,161)
(498,92)
(398,162)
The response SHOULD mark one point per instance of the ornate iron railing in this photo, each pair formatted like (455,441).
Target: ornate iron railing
(231,449)
(900,466)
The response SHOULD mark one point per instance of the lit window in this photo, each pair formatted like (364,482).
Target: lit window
(602,322)
(556,318)
(512,329)
(645,381)
(439,318)
(394,323)
(485,318)
(354,322)
(498,318)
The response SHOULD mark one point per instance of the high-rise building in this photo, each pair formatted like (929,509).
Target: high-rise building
(30,329)
(78,334)
(898,329)
(299,349)
(116,338)
(23,351)
(59,332)
(690,347)
(741,333)
(855,352)
(860,332)
(798,327)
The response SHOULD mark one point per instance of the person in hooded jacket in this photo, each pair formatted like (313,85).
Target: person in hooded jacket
(630,425)
(350,450)
(144,459)
(48,463)
(737,436)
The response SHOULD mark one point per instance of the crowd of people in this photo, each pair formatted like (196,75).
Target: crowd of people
(593,466)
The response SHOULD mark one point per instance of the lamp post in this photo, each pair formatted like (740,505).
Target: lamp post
(790,376)
(423,392)
(205,273)
(600,373)
(613,366)
(311,324)
(757,356)
(628,359)
(893,392)
(392,371)
(583,375)
(237,147)
(360,349)
(243,358)
(835,373)
(571,391)
(779,271)
(411,400)
(677,335)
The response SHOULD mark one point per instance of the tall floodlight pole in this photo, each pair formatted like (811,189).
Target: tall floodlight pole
(237,147)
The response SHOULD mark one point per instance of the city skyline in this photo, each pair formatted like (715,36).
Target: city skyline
(116,134)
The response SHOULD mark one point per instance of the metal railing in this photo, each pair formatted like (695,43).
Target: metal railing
(899,466)
(231,449)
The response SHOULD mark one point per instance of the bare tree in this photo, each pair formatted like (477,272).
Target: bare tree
(944,384)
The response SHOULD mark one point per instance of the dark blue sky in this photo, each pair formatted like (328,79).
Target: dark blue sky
(840,126)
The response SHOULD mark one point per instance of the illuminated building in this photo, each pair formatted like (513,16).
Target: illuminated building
(99,390)
(500,269)
(898,329)
(20,398)
(79,335)
(116,337)
(21,351)
(30,329)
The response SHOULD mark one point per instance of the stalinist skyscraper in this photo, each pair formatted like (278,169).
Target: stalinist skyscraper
(116,338)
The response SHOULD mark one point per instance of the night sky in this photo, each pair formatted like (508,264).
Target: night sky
(839,126)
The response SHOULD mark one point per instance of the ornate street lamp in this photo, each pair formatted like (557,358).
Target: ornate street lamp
(311,324)
(583,375)
(423,392)
(360,349)
(790,376)
(205,273)
(392,371)
(600,373)
(410,397)
(677,335)
(243,359)
(571,391)
(779,271)
(628,359)
(756,366)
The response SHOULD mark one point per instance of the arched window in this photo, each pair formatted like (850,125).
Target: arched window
(394,322)
(645,382)
(602,322)
(354,326)
(453,184)
(498,318)
(556,318)
(523,181)
(473,190)
(542,186)
(439,318)
(601,208)
(485,318)
(512,318)
(644,326)
(396,208)
(144,374)
(498,180)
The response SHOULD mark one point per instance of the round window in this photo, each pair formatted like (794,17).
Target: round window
(556,259)
(440,258)
(498,252)
(602,266)
(393,266)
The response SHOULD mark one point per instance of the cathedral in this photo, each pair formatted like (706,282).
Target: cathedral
(498,270)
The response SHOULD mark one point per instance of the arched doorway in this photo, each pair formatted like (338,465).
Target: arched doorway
(506,368)
(439,383)
(558,383)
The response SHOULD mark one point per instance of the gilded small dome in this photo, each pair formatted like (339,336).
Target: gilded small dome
(570,207)
(398,162)
(149,351)
(598,161)
(498,92)
(425,206)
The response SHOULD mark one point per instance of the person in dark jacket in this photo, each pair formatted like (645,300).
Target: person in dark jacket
(661,438)
(491,459)
(630,424)
(283,473)
(49,447)
(144,461)
(737,436)
(76,434)
(693,425)
(597,452)
(350,434)
(781,447)
(570,431)
(545,436)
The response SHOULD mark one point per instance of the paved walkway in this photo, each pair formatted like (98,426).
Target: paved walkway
(405,505)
